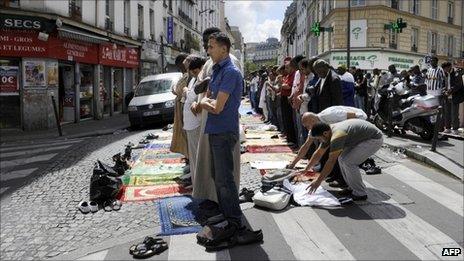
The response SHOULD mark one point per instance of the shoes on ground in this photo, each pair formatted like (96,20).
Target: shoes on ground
(358,198)
(373,171)
(338,184)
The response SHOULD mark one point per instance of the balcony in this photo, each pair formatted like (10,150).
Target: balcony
(185,17)
(75,12)
(393,45)
(450,20)
(108,24)
(414,48)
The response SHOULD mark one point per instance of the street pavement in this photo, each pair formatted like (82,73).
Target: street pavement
(413,212)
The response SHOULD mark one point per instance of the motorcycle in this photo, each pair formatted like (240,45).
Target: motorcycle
(408,112)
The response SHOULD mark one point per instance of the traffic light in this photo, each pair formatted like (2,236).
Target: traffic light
(397,26)
(316,28)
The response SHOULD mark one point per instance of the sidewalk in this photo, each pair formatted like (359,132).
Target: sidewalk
(73,130)
(448,156)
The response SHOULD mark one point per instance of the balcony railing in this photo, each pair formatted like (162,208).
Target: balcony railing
(393,45)
(185,17)
(450,20)
(108,24)
(414,48)
(75,11)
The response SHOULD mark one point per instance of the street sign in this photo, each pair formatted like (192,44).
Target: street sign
(170,29)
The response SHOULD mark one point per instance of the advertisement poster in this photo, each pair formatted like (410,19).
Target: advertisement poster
(34,73)
(52,73)
(9,79)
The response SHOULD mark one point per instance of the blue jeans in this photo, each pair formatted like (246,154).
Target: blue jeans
(359,102)
(222,168)
(254,105)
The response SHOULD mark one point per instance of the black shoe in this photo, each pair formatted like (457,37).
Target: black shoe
(330,179)
(373,171)
(358,198)
(346,192)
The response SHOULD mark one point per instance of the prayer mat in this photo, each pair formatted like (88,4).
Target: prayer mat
(149,180)
(292,175)
(269,164)
(179,215)
(154,155)
(261,132)
(144,193)
(268,149)
(247,157)
(143,169)
(156,146)
(266,142)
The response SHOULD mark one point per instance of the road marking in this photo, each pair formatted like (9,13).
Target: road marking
(16,174)
(95,256)
(410,230)
(439,193)
(184,247)
(35,146)
(309,237)
(32,151)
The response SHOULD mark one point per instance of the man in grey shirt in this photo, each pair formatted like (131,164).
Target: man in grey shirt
(350,142)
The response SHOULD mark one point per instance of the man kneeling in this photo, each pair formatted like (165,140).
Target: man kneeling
(351,142)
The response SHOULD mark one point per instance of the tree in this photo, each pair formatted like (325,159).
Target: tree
(250,67)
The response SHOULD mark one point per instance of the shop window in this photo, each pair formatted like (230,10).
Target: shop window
(10,108)
(86,91)
(118,81)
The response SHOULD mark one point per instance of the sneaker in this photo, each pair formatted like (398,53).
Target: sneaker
(373,171)
(84,207)
(93,206)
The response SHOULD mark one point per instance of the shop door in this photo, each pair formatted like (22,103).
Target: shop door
(106,90)
(10,104)
(128,91)
(66,93)
(86,109)
(118,94)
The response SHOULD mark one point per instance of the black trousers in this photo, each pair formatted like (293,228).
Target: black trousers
(287,117)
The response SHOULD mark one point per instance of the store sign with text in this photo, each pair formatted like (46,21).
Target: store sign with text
(22,22)
(22,44)
(358,33)
(119,56)
(72,51)
(377,59)
(9,79)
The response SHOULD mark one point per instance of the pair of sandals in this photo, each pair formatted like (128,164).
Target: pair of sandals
(112,204)
(149,247)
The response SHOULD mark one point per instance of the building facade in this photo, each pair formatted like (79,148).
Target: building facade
(433,27)
(288,33)
(88,54)
(264,52)
(301,27)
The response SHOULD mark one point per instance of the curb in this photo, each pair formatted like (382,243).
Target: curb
(433,159)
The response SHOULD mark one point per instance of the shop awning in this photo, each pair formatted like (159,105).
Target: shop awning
(73,34)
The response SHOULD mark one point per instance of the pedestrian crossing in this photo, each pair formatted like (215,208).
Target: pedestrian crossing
(20,161)
(389,226)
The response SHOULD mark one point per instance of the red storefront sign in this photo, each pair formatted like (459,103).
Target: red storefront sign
(73,51)
(17,43)
(119,57)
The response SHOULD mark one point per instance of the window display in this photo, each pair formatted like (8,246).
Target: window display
(86,91)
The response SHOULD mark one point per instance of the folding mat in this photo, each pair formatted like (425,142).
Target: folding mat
(247,157)
(179,215)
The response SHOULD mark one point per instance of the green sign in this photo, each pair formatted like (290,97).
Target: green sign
(397,26)
(316,28)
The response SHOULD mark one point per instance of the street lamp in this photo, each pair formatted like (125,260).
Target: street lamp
(210,11)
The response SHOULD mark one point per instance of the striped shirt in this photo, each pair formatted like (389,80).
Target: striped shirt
(435,81)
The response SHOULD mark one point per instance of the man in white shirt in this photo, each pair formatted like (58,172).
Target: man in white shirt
(330,115)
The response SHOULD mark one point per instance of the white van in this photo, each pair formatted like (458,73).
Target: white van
(153,99)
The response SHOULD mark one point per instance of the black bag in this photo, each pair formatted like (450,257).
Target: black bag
(103,187)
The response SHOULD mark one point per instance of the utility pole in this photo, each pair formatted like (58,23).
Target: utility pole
(348,35)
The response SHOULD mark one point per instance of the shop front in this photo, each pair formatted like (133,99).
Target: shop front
(73,72)
(369,60)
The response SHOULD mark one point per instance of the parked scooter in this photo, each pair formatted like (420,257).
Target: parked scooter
(415,113)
